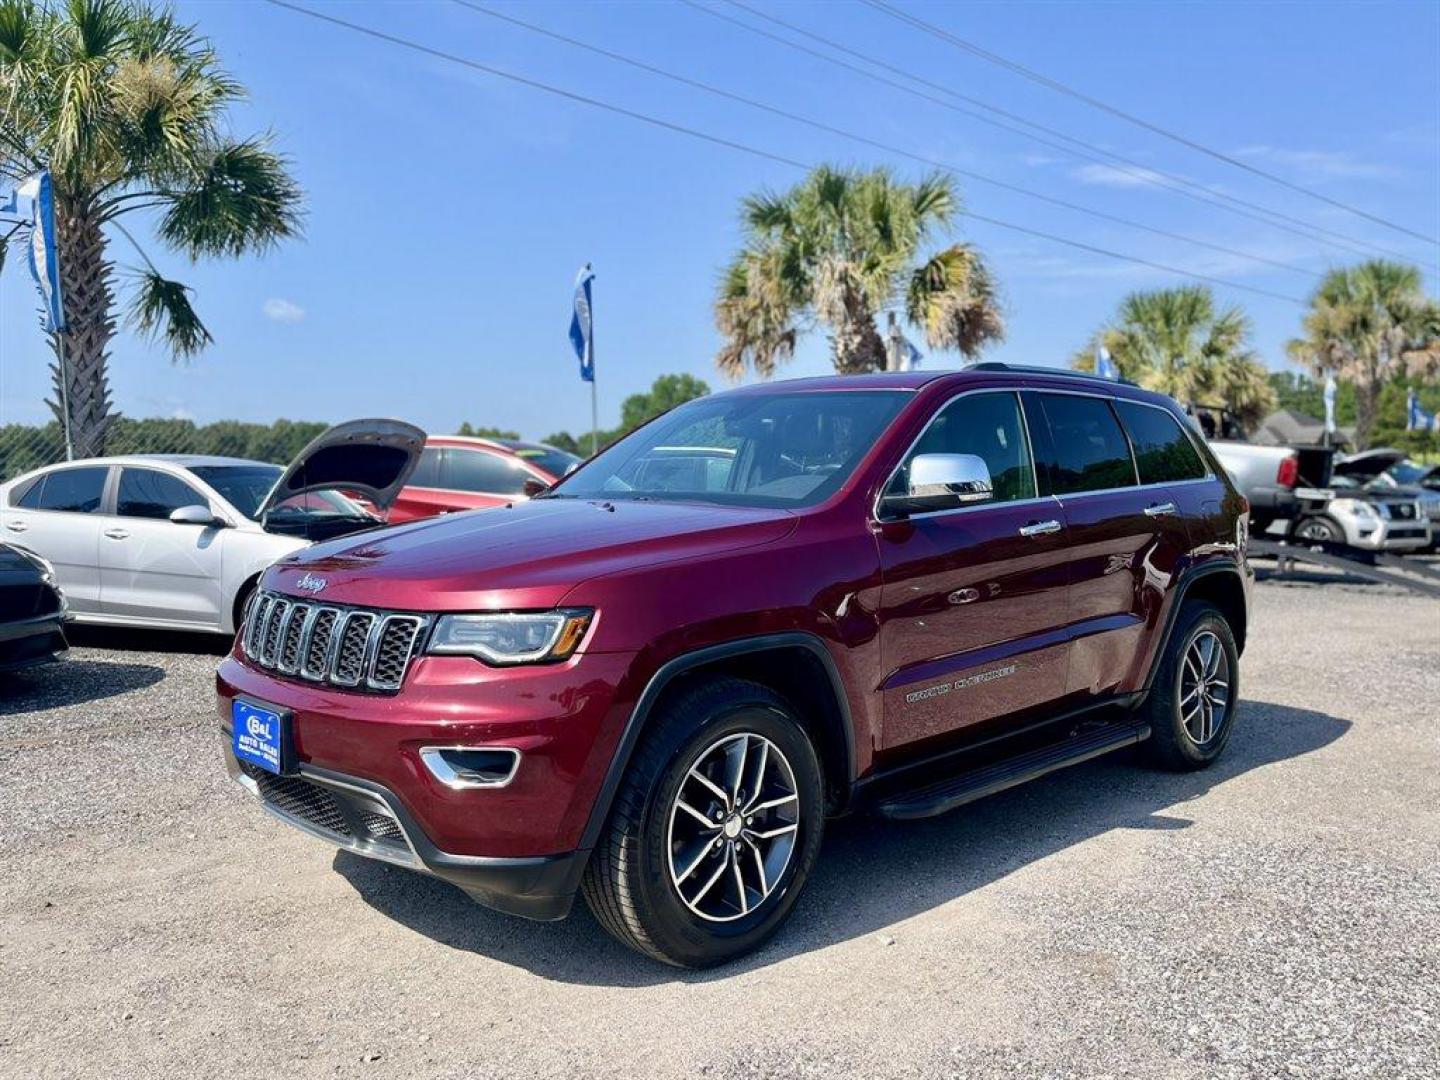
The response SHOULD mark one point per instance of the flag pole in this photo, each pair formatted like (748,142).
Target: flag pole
(64,395)
(594,418)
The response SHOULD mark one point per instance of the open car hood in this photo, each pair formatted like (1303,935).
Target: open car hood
(1368,465)
(371,457)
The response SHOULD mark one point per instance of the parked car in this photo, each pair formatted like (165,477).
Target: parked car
(1371,510)
(32,610)
(462,472)
(901,592)
(1275,480)
(179,541)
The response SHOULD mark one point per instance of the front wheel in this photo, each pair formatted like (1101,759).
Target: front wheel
(1191,706)
(715,828)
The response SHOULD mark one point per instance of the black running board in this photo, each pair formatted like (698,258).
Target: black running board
(953,791)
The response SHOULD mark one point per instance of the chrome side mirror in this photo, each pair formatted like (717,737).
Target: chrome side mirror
(194,515)
(943,482)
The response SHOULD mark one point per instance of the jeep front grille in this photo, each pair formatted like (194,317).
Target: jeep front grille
(351,647)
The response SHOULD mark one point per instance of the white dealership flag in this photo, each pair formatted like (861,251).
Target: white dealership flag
(1104,365)
(1330,405)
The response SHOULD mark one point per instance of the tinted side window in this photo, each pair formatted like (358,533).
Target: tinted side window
(1163,452)
(989,427)
(1087,451)
(77,491)
(475,470)
(146,493)
(27,495)
(427,469)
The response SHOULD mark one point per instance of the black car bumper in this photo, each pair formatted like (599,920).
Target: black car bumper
(1274,503)
(35,640)
(367,819)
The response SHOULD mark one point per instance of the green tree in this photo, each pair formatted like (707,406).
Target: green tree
(839,248)
(1178,342)
(487,432)
(1367,324)
(127,108)
(664,394)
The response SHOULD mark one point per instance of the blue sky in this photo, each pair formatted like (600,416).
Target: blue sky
(449,210)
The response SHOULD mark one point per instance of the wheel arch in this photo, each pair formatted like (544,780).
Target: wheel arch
(1220,584)
(796,665)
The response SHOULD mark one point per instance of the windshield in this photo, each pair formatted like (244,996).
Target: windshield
(776,450)
(554,461)
(245,487)
(1407,472)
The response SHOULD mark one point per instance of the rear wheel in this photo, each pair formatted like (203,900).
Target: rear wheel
(715,828)
(1191,706)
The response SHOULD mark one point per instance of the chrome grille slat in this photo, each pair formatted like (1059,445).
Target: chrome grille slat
(394,645)
(353,648)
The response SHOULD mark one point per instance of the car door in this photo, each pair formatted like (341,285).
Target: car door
(423,494)
(57,516)
(152,568)
(973,599)
(1126,539)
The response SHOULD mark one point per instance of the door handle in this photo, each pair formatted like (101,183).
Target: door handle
(117,534)
(1160,510)
(1040,528)
(16,526)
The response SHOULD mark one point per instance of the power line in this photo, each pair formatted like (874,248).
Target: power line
(716,140)
(1173,136)
(865,140)
(1087,151)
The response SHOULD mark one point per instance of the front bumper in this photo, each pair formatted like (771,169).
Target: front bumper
(36,640)
(367,819)
(1380,534)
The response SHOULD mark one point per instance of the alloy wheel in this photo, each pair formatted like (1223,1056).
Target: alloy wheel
(1204,687)
(733,827)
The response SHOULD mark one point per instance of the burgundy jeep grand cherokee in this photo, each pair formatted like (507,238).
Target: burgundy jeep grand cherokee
(653,684)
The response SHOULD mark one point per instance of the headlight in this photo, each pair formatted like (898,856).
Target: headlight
(512,637)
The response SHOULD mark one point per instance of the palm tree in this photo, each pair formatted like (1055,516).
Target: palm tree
(838,249)
(126,108)
(1365,324)
(1177,342)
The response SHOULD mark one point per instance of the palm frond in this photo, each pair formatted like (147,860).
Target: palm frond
(161,309)
(954,297)
(241,198)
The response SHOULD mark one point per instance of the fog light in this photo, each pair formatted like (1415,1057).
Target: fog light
(464,767)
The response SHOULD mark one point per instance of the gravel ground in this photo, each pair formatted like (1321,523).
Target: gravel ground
(1278,915)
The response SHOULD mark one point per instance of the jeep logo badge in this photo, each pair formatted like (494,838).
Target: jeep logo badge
(310,583)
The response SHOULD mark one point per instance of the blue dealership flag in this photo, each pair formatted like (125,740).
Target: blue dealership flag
(44,264)
(582,324)
(1416,418)
(1104,366)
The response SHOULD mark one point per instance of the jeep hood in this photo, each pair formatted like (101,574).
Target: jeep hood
(372,457)
(525,555)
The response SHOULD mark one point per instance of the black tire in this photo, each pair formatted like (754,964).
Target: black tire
(1318,529)
(629,882)
(242,598)
(1173,743)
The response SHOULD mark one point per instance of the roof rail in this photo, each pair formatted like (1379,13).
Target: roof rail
(1037,369)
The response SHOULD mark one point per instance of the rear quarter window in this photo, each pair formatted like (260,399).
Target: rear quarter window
(1164,454)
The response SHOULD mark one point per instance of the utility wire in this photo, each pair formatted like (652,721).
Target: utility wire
(1076,148)
(854,137)
(1096,103)
(475,65)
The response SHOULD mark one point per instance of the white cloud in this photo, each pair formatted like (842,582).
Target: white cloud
(1115,176)
(1320,164)
(282,311)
